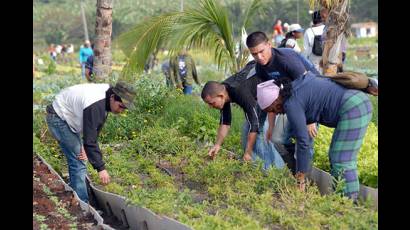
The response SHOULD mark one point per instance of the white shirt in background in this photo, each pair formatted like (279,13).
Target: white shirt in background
(58,49)
(308,39)
(70,49)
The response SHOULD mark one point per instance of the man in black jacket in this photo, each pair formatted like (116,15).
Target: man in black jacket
(83,109)
(241,89)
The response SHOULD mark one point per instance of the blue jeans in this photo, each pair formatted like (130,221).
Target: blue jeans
(278,40)
(187,89)
(83,70)
(262,149)
(70,144)
(283,133)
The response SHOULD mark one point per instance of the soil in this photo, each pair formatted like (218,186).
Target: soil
(198,190)
(47,188)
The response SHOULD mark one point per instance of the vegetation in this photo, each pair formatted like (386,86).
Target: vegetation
(157,154)
(157,158)
(59,21)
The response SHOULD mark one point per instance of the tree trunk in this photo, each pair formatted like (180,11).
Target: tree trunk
(102,44)
(330,68)
(337,29)
(84,21)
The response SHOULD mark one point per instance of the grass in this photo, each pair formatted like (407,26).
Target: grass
(221,194)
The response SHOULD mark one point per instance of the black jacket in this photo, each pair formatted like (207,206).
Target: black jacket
(241,89)
(94,117)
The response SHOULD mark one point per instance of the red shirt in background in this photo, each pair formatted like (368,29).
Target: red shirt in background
(278,29)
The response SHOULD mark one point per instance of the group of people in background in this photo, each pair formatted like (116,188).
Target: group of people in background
(287,36)
(61,54)
(60,51)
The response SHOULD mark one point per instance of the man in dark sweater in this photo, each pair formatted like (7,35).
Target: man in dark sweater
(83,109)
(240,89)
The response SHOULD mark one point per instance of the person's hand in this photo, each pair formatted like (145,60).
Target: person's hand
(269,135)
(247,156)
(82,156)
(373,90)
(104,177)
(300,178)
(312,130)
(213,151)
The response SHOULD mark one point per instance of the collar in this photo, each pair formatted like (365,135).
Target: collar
(272,58)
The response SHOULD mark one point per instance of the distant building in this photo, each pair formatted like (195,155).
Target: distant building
(364,29)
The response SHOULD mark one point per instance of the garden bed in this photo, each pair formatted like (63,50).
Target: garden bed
(155,165)
(53,206)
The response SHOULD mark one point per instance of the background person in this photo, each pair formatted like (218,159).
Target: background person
(313,39)
(277,35)
(290,41)
(85,52)
(183,71)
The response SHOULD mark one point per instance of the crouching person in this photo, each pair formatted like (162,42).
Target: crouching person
(83,109)
(241,89)
(311,99)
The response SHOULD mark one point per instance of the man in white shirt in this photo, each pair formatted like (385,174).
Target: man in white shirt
(309,37)
(83,109)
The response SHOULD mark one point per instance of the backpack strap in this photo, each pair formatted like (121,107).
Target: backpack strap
(314,35)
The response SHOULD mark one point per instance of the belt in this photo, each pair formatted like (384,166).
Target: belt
(50,109)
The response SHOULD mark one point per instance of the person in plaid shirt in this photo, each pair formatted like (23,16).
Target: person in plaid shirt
(311,99)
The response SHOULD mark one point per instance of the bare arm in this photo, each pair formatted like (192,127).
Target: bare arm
(222,132)
(271,121)
(249,146)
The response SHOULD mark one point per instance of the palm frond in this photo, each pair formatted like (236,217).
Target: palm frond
(205,26)
(138,43)
(325,3)
(250,12)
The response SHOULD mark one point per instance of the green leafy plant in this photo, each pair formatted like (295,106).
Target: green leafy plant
(367,156)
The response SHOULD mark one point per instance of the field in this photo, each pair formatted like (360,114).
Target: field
(157,158)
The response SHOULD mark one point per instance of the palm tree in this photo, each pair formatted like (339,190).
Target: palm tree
(338,30)
(205,26)
(102,43)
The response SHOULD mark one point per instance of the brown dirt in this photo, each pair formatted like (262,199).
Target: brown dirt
(46,188)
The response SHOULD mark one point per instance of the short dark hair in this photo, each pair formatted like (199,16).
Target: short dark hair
(211,88)
(316,18)
(256,38)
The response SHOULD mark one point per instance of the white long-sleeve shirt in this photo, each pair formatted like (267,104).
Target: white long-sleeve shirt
(71,102)
(308,39)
